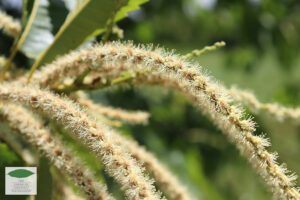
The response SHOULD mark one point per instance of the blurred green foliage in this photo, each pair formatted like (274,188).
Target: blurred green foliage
(262,54)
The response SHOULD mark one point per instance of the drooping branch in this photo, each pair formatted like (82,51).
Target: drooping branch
(23,122)
(119,164)
(211,98)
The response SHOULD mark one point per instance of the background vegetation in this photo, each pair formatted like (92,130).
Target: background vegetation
(261,54)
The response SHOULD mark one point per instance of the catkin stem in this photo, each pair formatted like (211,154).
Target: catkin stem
(32,129)
(199,52)
(171,70)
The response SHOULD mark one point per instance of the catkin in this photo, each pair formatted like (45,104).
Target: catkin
(119,164)
(273,109)
(32,129)
(244,97)
(163,176)
(171,70)
(133,117)
(10,26)
(166,180)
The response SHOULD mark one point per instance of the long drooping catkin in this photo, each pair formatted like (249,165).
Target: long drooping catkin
(32,129)
(276,110)
(133,117)
(119,164)
(10,26)
(248,99)
(210,97)
(163,176)
(167,181)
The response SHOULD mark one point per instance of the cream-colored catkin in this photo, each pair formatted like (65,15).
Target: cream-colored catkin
(10,26)
(22,121)
(170,70)
(244,97)
(132,117)
(278,111)
(163,176)
(119,164)
(169,184)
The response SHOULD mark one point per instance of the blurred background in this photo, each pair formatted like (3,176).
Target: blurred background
(261,54)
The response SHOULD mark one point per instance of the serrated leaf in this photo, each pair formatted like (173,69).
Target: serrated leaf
(39,36)
(50,15)
(89,18)
(20,173)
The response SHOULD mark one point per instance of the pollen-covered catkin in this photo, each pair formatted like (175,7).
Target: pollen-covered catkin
(119,164)
(28,126)
(273,109)
(171,70)
(10,26)
(132,117)
(167,181)
(163,176)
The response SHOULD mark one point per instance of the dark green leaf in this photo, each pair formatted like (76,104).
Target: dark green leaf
(39,36)
(89,19)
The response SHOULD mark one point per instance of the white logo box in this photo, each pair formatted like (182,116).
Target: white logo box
(20,181)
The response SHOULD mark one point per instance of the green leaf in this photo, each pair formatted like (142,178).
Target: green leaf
(87,20)
(20,173)
(27,6)
(39,36)
(45,19)
(131,6)
(23,36)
